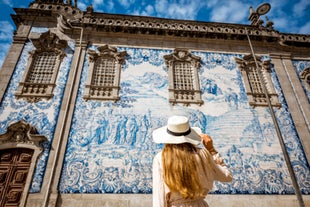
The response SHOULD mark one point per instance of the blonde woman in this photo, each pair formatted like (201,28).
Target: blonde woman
(183,172)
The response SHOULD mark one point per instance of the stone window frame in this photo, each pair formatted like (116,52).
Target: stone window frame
(305,78)
(181,64)
(99,84)
(21,135)
(39,80)
(252,82)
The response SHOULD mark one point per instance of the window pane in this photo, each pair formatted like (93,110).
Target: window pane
(104,72)
(183,78)
(254,80)
(42,68)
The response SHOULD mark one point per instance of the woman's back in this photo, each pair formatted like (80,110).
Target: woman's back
(207,172)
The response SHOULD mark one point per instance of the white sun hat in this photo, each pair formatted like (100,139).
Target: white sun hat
(177,131)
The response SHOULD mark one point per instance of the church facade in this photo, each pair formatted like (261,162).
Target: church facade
(81,93)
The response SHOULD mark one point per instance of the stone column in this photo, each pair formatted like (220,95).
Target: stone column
(295,97)
(12,57)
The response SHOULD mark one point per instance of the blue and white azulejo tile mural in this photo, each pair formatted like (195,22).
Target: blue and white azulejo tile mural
(110,148)
(43,114)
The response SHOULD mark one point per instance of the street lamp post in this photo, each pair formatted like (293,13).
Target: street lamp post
(254,18)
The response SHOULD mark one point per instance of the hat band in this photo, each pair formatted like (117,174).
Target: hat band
(180,133)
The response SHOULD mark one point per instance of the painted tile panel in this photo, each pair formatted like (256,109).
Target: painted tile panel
(110,148)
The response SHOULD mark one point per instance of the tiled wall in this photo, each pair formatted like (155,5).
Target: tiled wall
(110,148)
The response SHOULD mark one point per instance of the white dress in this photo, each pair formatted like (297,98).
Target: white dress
(208,171)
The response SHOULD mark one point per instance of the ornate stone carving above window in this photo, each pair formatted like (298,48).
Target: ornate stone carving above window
(38,81)
(253,84)
(305,77)
(184,86)
(103,80)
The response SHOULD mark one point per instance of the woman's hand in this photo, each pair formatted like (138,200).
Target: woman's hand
(208,143)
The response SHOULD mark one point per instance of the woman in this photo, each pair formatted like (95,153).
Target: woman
(183,172)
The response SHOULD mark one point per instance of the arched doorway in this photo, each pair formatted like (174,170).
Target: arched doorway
(19,150)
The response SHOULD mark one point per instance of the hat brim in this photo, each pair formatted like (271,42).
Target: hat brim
(161,135)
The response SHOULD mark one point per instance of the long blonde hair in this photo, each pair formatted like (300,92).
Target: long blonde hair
(181,170)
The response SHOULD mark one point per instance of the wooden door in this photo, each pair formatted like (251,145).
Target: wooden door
(14,168)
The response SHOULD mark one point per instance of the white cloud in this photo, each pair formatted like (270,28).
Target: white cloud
(148,11)
(184,9)
(282,23)
(126,3)
(212,3)
(232,12)
(110,6)
(6,30)
(301,7)
(97,3)
(82,6)
(305,29)
(161,6)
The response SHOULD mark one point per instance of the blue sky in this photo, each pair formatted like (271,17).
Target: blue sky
(289,16)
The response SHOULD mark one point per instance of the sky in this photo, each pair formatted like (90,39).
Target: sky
(289,16)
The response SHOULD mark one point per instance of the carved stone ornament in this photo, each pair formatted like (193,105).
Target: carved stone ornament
(181,54)
(107,51)
(49,41)
(22,132)
(247,60)
(305,73)
(305,77)
(66,8)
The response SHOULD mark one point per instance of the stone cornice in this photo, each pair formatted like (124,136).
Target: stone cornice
(116,23)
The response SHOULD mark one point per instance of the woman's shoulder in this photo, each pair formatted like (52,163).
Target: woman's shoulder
(158,155)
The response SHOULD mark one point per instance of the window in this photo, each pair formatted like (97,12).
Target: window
(253,84)
(40,76)
(184,86)
(103,82)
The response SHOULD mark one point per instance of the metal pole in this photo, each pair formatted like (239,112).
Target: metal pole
(275,122)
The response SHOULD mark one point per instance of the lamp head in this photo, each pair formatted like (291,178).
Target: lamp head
(263,9)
